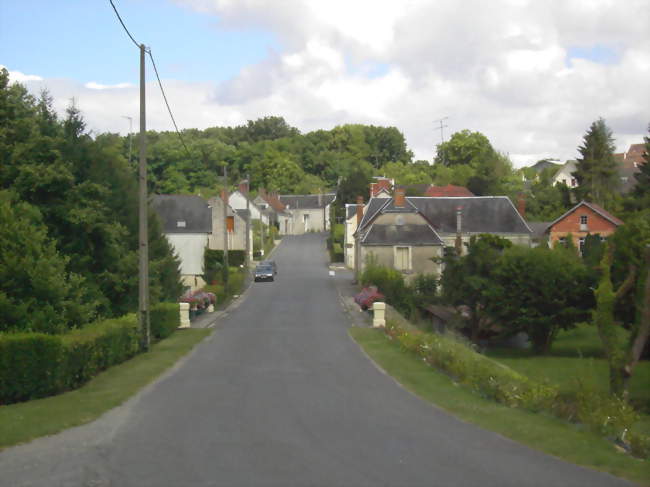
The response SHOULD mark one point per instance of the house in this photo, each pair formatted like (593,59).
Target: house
(406,233)
(187,225)
(278,216)
(449,190)
(238,200)
(564,175)
(583,219)
(308,213)
(353,216)
(629,164)
(381,187)
(235,227)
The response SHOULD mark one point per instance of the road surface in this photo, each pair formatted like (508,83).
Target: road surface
(281,396)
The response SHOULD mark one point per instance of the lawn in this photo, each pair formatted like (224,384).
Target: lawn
(539,431)
(25,421)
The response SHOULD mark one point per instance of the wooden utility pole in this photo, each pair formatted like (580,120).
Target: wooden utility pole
(248,221)
(143,296)
(225,224)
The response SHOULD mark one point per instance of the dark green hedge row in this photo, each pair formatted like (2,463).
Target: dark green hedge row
(34,365)
(235,257)
(164,318)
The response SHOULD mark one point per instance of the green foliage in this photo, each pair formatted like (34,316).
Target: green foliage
(390,283)
(34,365)
(466,280)
(36,291)
(641,192)
(425,289)
(213,268)
(164,320)
(335,242)
(596,169)
(538,291)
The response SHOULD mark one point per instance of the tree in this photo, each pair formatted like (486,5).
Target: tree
(539,291)
(622,313)
(641,191)
(596,168)
(467,279)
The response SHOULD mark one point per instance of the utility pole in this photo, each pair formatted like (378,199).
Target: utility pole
(143,297)
(225,224)
(248,221)
(441,121)
(130,119)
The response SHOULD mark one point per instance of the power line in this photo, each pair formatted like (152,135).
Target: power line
(137,44)
(167,104)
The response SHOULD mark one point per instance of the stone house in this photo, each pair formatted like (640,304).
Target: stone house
(309,213)
(187,225)
(583,219)
(409,233)
(278,216)
(235,227)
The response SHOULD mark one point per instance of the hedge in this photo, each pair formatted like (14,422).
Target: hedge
(164,318)
(35,365)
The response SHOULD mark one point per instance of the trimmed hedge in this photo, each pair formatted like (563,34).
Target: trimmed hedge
(164,319)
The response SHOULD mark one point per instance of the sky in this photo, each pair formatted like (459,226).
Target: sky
(530,75)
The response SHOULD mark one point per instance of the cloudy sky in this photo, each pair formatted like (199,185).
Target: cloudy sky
(531,75)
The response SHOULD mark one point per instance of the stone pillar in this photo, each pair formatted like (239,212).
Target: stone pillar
(185,315)
(379,314)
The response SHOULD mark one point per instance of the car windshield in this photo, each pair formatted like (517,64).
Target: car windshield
(263,268)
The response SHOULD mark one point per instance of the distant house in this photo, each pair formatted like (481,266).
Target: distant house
(187,224)
(278,216)
(564,175)
(235,227)
(237,200)
(353,216)
(309,213)
(583,219)
(381,187)
(449,190)
(408,233)
(629,164)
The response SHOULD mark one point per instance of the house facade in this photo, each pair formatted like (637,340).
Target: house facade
(353,216)
(278,216)
(564,175)
(580,221)
(308,213)
(409,233)
(238,199)
(187,225)
(235,227)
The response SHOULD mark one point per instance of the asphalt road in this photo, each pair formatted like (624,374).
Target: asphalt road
(281,396)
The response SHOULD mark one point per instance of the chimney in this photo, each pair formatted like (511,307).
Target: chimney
(400,198)
(359,209)
(459,229)
(243,187)
(224,196)
(521,205)
(372,189)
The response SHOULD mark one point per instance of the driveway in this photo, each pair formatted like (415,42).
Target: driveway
(280,395)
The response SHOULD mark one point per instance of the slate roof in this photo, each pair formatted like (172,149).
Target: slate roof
(306,201)
(372,208)
(481,214)
(350,210)
(538,228)
(174,208)
(407,234)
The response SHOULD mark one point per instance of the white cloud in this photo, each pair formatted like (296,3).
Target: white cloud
(18,77)
(499,67)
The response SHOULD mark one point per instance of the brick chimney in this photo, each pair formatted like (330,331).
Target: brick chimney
(459,230)
(521,205)
(372,190)
(243,187)
(400,198)
(359,209)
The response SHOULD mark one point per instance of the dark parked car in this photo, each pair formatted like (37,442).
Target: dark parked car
(263,273)
(270,263)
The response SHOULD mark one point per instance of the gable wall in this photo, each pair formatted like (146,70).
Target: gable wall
(571,225)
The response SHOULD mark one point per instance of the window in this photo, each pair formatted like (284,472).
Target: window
(581,244)
(403,258)
(305,221)
(180,224)
(583,223)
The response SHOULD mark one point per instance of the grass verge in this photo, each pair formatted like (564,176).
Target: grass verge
(538,431)
(26,421)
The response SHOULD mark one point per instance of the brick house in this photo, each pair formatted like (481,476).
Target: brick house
(583,219)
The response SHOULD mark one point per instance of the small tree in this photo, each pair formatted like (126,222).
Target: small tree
(539,291)
(466,280)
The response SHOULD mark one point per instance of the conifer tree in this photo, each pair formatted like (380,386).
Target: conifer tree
(596,168)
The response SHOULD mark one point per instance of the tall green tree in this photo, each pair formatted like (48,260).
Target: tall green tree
(641,191)
(596,168)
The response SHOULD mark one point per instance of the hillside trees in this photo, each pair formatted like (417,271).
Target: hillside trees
(85,192)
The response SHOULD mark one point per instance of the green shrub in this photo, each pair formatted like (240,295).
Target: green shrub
(164,319)
(213,269)
(34,365)
(391,284)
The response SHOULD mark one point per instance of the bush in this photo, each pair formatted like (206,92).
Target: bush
(391,284)
(34,365)
(164,319)
(213,263)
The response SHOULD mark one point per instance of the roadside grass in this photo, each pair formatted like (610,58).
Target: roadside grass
(539,431)
(576,360)
(23,422)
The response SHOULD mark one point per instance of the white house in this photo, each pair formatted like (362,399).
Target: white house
(309,213)
(237,200)
(564,175)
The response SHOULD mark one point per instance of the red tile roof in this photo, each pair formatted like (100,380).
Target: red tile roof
(449,190)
